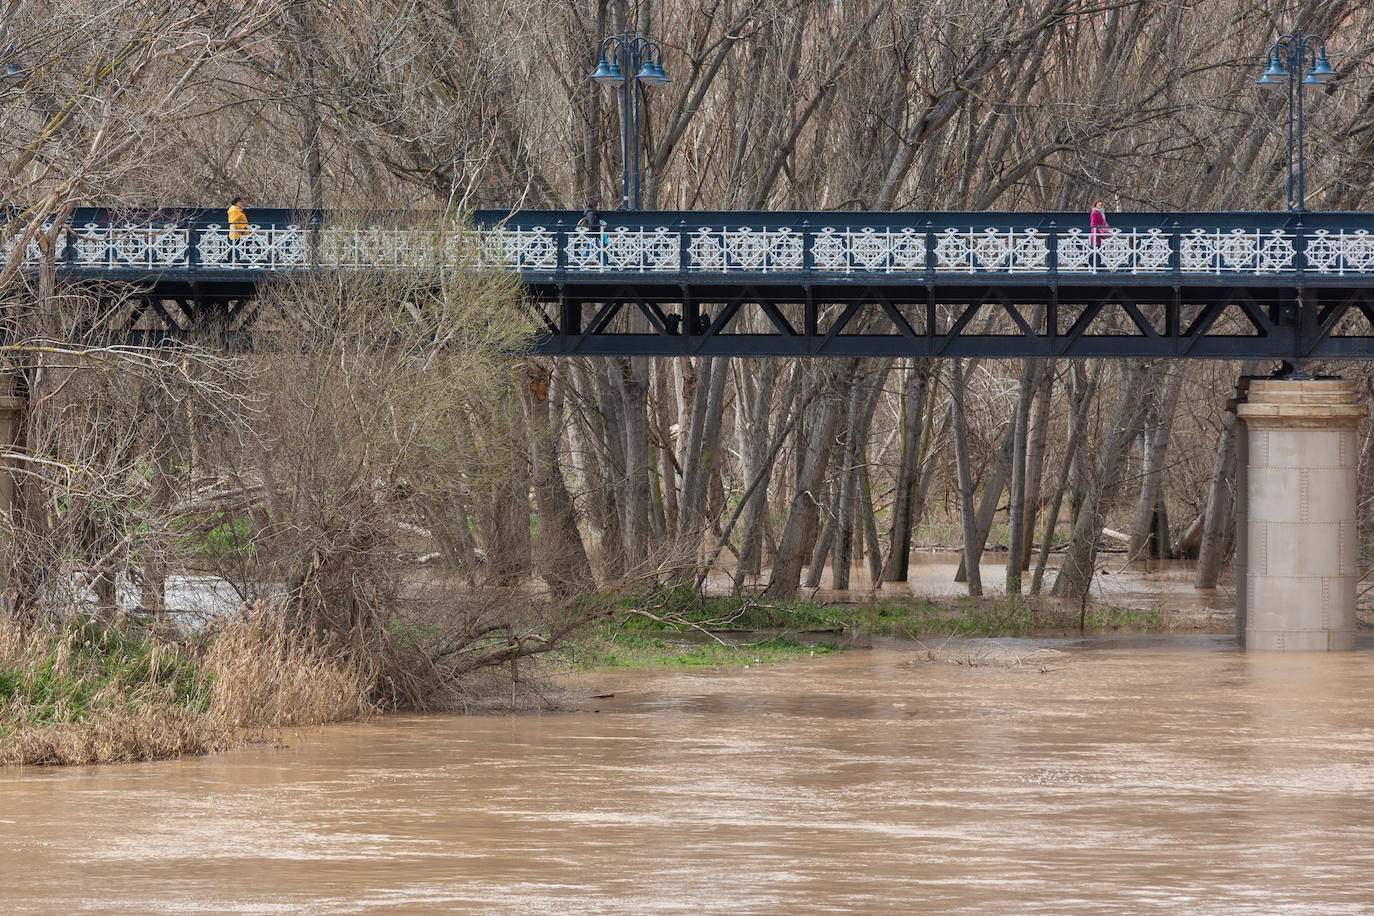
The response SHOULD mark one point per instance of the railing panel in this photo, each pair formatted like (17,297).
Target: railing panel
(746,249)
(130,245)
(1340,252)
(535,248)
(1115,251)
(868,250)
(1237,251)
(622,249)
(257,248)
(991,250)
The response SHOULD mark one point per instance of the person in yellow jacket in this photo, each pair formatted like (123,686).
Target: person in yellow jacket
(238,220)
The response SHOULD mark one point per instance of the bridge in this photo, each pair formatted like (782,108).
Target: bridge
(1227,285)
(1290,287)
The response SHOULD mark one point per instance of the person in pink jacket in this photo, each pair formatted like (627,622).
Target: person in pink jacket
(1097,224)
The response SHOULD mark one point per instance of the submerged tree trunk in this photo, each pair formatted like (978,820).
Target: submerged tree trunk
(965,474)
(1016,529)
(1080,562)
(1144,540)
(1035,458)
(915,394)
(1221,497)
(801,517)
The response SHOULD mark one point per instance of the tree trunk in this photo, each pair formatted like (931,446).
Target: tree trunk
(1221,498)
(1080,563)
(703,435)
(633,493)
(1035,457)
(1082,397)
(801,517)
(992,494)
(870,524)
(863,401)
(914,397)
(756,464)
(965,474)
(1156,452)
(1016,529)
(562,557)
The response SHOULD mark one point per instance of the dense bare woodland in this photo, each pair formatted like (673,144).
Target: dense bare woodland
(338,472)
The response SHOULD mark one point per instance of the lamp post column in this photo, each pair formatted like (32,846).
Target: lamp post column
(1299,60)
(627,60)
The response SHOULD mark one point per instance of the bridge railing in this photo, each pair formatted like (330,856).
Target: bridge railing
(817,245)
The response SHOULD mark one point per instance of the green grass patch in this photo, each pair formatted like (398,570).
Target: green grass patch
(610,646)
(86,667)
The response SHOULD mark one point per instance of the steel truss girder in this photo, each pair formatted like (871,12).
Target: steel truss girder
(1118,321)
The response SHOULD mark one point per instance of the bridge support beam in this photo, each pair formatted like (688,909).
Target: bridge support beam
(1297,562)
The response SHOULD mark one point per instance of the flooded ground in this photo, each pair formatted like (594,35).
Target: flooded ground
(1167,586)
(1129,775)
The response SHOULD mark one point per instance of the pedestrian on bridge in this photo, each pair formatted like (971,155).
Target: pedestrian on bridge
(238,220)
(592,216)
(1097,224)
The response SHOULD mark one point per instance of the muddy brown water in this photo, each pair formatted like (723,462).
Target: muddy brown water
(1128,775)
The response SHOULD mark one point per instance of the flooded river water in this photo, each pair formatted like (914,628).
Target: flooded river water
(1122,776)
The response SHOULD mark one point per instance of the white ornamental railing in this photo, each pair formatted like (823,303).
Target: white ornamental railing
(997,250)
(869,250)
(1237,251)
(129,245)
(624,249)
(1340,252)
(828,250)
(756,250)
(254,248)
(1114,251)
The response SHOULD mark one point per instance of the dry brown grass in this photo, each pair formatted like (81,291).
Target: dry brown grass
(107,693)
(265,676)
(125,735)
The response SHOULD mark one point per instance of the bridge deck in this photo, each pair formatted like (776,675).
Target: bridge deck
(1198,285)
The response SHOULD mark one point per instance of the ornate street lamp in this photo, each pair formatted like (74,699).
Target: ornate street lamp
(621,56)
(1287,60)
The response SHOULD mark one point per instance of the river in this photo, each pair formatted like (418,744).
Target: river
(1127,775)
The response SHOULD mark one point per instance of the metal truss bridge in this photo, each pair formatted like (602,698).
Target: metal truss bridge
(1285,286)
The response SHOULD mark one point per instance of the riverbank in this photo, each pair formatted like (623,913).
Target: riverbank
(95,691)
(98,691)
(686,629)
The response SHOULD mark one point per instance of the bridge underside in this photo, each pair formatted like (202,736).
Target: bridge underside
(628,317)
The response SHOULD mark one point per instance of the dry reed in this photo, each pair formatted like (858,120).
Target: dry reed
(96,692)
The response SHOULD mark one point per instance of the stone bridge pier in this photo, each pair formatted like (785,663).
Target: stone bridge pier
(1297,537)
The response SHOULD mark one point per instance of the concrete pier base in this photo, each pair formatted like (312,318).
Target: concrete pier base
(1298,544)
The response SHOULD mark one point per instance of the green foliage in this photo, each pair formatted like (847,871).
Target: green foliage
(225,540)
(88,667)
